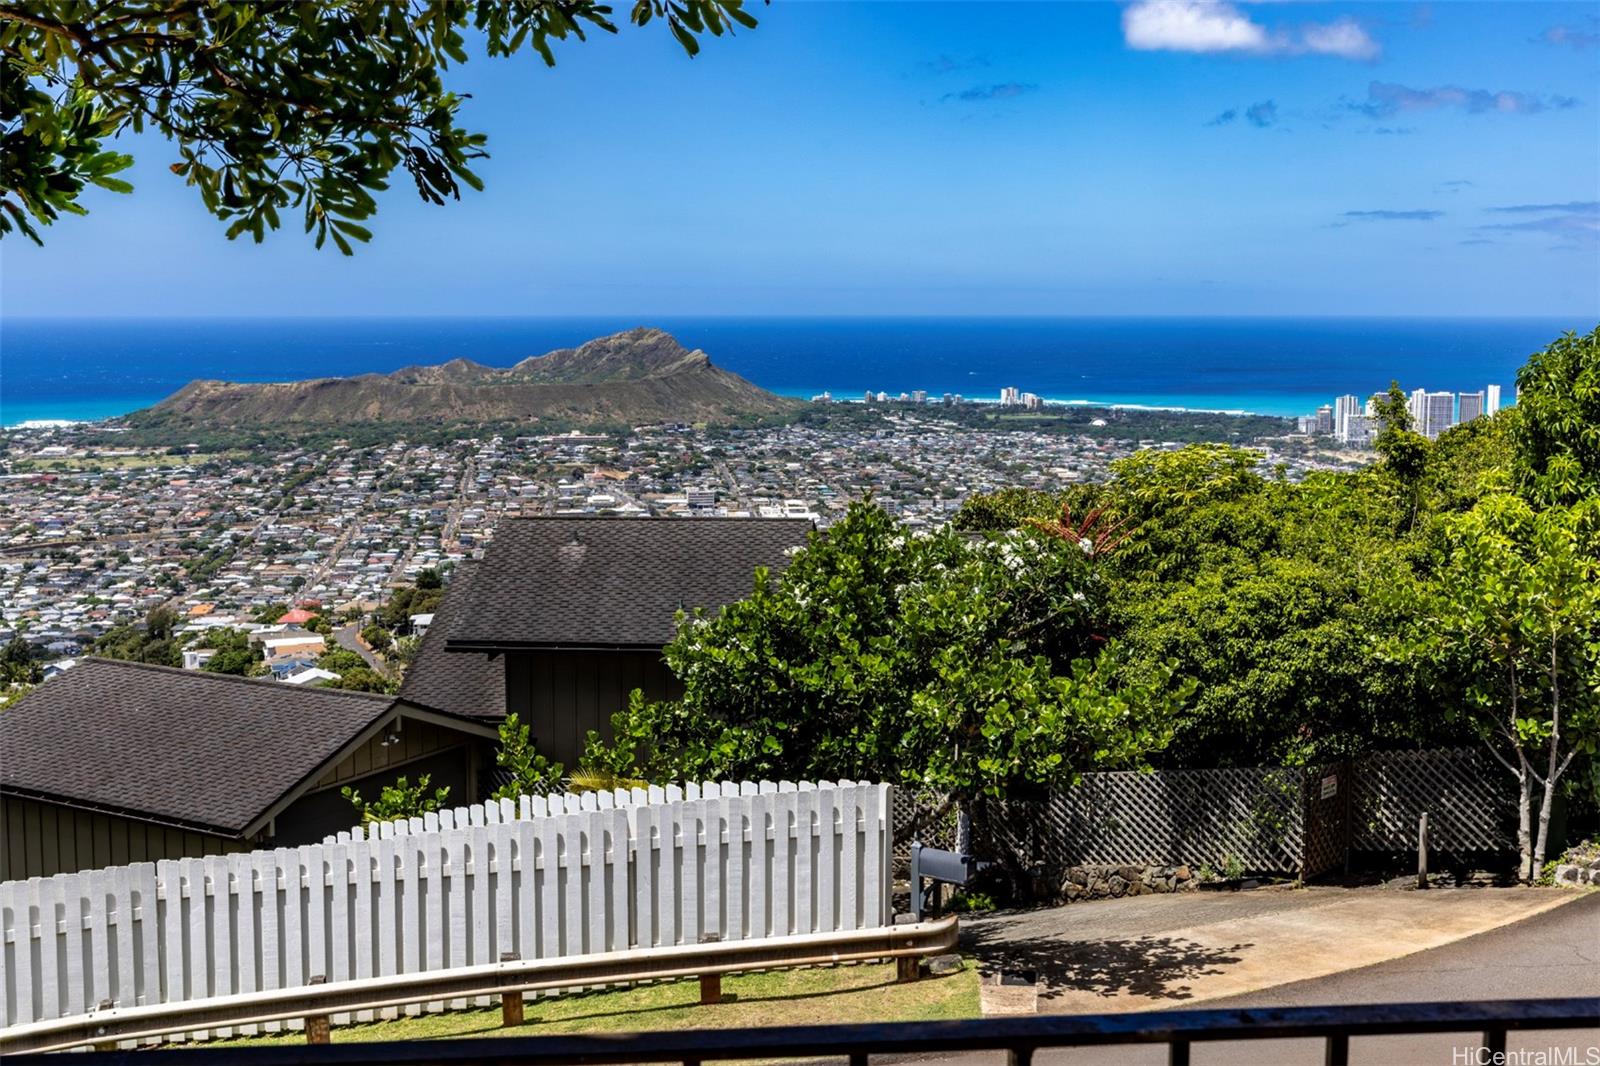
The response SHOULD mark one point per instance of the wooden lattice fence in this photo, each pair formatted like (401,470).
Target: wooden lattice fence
(1170,816)
(1469,798)
(1293,821)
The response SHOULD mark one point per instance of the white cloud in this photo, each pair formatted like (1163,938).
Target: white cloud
(1190,26)
(1218,26)
(1343,37)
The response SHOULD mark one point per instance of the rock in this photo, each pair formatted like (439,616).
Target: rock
(944,965)
(1073,891)
(1130,874)
(1136,888)
(1116,885)
(1078,875)
(1161,886)
(1181,873)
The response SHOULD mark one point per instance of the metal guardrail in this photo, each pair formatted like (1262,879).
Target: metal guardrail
(508,979)
(1018,1037)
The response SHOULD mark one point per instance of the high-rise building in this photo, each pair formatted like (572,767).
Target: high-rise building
(1491,401)
(1416,407)
(1469,405)
(1031,401)
(1344,408)
(919,395)
(1010,397)
(1324,420)
(1432,412)
(1359,430)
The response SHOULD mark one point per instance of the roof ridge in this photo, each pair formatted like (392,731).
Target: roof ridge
(208,675)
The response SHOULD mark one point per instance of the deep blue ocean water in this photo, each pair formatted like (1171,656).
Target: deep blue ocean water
(97,368)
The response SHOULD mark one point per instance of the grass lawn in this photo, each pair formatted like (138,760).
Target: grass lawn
(865,993)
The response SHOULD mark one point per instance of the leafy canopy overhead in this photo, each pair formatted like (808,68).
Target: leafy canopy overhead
(273,107)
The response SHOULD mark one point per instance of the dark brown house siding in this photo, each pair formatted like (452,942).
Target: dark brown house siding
(561,695)
(42,839)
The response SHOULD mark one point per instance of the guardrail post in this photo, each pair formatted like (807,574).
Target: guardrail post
(1337,1052)
(710,983)
(510,1002)
(318,1031)
(1178,1052)
(106,1045)
(907,968)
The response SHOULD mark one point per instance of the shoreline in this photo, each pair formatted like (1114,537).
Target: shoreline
(40,416)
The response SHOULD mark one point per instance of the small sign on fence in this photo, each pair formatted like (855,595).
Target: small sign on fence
(1330,786)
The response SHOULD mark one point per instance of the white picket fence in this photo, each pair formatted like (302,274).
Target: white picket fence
(735,861)
(505,810)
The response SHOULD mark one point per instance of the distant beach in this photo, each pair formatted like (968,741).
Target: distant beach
(88,369)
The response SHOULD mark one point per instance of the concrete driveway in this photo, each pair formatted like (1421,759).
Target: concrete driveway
(1156,952)
(1530,943)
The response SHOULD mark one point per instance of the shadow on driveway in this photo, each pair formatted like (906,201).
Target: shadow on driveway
(1154,967)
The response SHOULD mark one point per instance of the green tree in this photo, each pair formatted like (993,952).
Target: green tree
(399,800)
(1515,610)
(1404,451)
(17,664)
(528,772)
(376,636)
(235,654)
(1557,428)
(341,660)
(361,679)
(923,659)
(272,107)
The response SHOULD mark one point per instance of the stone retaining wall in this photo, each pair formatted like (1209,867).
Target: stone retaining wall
(1112,882)
(1580,866)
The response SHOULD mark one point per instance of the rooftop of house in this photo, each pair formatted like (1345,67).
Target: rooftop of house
(468,685)
(207,752)
(592,582)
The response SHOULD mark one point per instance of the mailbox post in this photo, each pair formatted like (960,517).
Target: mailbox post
(939,866)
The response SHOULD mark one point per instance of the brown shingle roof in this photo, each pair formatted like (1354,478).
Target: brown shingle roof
(613,582)
(468,685)
(184,747)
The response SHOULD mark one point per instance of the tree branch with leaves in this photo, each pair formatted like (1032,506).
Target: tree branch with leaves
(273,107)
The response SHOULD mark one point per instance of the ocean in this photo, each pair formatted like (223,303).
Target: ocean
(82,369)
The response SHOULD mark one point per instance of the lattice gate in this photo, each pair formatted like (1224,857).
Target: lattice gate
(1326,800)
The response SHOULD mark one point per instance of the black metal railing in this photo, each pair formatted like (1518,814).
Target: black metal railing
(1019,1038)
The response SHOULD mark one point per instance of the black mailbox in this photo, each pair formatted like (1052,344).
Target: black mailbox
(937,864)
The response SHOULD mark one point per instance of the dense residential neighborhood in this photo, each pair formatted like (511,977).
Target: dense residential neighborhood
(97,535)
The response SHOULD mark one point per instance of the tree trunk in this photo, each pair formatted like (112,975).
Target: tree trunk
(1524,819)
(1554,771)
(1537,865)
(1524,782)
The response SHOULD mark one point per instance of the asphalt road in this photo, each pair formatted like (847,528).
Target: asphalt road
(345,637)
(1553,954)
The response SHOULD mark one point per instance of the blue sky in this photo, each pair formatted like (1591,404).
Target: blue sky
(1150,157)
